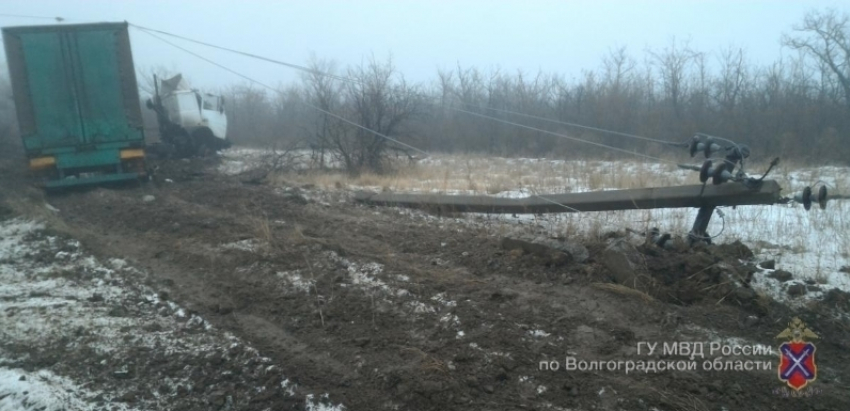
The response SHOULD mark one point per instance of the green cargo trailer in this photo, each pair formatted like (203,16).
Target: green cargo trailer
(77,102)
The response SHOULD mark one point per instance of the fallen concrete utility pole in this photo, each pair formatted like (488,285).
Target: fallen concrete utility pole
(766,193)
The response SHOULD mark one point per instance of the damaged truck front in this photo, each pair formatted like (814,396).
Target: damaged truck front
(191,123)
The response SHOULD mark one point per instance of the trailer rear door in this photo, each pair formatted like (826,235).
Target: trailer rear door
(52,117)
(101,80)
(74,86)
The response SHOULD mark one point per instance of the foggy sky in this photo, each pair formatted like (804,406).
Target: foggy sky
(553,36)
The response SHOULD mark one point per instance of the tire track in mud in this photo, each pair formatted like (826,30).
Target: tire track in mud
(380,342)
(262,305)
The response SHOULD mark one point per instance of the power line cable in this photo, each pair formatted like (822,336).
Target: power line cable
(352,80)
(565,136)
(343,119)
(324,111)
(151,31)
(576,125)
(282,63)
(24,16)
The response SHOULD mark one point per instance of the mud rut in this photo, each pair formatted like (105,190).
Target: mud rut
(449,320)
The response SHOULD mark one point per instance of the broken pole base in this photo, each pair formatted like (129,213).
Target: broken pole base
(698,232)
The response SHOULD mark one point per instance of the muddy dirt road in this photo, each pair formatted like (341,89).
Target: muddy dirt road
(339,305)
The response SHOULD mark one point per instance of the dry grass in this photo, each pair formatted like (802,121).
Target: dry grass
(623,290)
(263,229)
(474,174)
(681,401)
(812,243)
(428,362)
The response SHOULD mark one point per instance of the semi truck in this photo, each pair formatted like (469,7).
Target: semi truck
(191,123)
(77,103)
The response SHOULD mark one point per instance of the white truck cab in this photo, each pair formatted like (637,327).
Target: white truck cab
(189,118)
(192,109)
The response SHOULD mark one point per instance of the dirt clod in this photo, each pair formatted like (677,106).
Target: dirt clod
(618,264)
(796,290)
(551,250)
(781,275)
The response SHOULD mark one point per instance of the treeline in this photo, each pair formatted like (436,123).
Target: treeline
(797,107)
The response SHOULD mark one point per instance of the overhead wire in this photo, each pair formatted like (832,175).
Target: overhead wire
(341,78)
(581,126)
(25,16)
(352,80)
(246,54)
(593,143)
(324,111)
(317,108)
(152,31)
(338,117)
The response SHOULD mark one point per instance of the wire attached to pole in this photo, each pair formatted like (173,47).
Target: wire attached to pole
(282,63)
(343,119)
(150,31)
(593,143)
(24,16)
(576,125)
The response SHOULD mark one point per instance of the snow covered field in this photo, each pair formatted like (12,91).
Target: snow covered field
(813,245)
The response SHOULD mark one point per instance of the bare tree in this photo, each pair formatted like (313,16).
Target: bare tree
(323,92)
(378,99)
(730,83)
(826,37)
(617,65)
(673,63)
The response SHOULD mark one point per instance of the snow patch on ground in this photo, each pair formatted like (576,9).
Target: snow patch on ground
(538,333)
(43,391)
(321,403)
(371,278)
(249,245)
(296,281)
(53,296)
(237,160)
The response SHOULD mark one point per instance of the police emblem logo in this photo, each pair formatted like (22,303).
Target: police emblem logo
(797,367)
